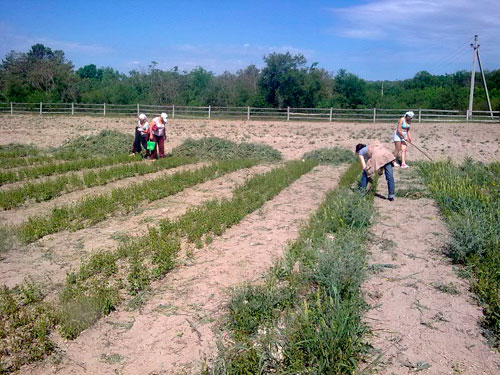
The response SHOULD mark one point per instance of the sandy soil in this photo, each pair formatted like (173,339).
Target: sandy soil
(293,139)
(415,325)
(178,325)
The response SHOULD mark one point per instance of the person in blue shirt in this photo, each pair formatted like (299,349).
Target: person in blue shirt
(402,135)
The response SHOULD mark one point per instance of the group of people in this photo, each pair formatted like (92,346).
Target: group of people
(152,132)
(375,158)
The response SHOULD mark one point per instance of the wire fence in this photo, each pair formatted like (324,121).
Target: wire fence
(249,113)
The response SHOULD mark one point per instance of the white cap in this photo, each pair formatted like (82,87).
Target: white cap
(164,116)
(410,114)
(142,116)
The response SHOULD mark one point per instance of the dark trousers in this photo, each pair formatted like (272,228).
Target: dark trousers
(160,147)
(389,176)
(138,141)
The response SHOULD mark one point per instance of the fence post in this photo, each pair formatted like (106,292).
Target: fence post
(40,108)
(374,114)
(287,113)
(11,108)
(137,109)
(104,109)
(72,109)
(209,110)
(331,114)
(420,115)
(248,113)
(173,111)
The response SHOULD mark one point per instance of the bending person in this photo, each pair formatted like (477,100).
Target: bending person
(401,136)
(157,134)
(376,158)
(140,135)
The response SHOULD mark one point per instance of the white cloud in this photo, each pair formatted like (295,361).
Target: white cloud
(9,40)
(435,33)
(418,21)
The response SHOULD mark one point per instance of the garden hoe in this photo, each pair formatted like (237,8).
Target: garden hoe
(423,152)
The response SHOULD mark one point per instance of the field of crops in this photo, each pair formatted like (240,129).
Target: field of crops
(247,250)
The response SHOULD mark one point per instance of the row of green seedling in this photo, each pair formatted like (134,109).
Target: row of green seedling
(25,161)
(46,190)
(100,284)
(305,318)
(63,167)
(469,197)
(94,209)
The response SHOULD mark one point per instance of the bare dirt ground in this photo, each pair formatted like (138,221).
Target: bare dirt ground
(422,316)
(293,139)
(418,324)
(178,325)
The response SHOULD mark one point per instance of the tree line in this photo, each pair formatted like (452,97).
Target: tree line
(46,75)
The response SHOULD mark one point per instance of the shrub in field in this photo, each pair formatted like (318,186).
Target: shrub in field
(333,156)
(311,323)
(103,144)
(468,196)
(219,149)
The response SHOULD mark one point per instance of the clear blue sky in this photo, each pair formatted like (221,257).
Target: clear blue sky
(375,39)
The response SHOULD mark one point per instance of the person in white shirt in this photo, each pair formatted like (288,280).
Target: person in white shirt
(141,130)
(157,134)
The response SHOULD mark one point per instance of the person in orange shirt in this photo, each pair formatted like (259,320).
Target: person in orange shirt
(157,134)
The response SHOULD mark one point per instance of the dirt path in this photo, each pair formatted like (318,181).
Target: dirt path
(50,258)
(423,317)
(19,215)
(179,323)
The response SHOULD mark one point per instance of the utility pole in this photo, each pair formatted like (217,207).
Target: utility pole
(475,54)
(382,90)
(472,77)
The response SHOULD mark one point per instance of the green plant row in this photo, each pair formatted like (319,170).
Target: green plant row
(46,190)
(94,209)
(16,150)
(469,197)
(38,158)
(306,317)
(95,289)
(63,167)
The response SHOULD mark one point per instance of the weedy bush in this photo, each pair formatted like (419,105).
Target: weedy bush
(333,156)
(25,325)
(468,196)
(91,210)
(309,321)
(106,143)
(220,149)
(46,190)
